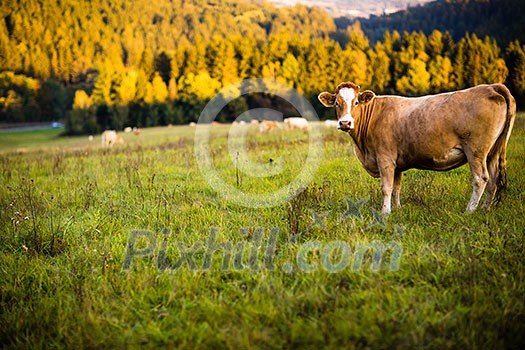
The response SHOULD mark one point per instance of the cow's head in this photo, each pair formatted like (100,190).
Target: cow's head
(347,101)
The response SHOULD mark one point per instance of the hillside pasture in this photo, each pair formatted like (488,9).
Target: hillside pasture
(130,247)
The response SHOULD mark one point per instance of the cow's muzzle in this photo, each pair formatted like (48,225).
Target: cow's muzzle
(345,125)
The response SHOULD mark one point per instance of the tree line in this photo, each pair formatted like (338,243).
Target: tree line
(166,65)
(500,19)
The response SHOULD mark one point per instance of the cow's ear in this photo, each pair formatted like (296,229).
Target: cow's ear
(327,99)
(366,96)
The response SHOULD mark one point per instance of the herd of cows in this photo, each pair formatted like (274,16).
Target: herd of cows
(111,137)
(392,134)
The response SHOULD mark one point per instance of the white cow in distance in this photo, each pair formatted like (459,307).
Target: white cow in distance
(331,123)
(110,137)
(297,123)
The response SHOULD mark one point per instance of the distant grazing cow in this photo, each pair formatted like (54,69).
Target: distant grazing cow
(297,123)
(127,129)
(331,123)
(437,132)
(110,137)
(254,122)
(267,125)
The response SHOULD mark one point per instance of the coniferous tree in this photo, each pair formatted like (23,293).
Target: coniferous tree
(515,58)
(440,70)
(159,89)
(127,90)
(103,84)
(146,63)
(163,66)
(380,72)
(290,70)
(221,62)
(416,81)
(52,100)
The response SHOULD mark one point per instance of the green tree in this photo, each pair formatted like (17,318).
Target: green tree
(81,100)
(247,56)
(163,66)
(278,46)
(102,90)
(380,72)
(63,60)
(322,67)
(198,87)
(435,44)
(52,100)
(127,90)
(356,37)
(82,121)
(291,70)
(193,58)
(173,91)
(147,63)
(133,45)
(221,61)
(481,61)
(459,67)
(18,98)
(357,66)
(515,58)
(417,80)
(159,89)
(440,70)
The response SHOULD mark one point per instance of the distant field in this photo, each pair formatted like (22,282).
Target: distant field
(49,138)
(130,247)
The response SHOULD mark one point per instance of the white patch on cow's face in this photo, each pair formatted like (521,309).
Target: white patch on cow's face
(348,96)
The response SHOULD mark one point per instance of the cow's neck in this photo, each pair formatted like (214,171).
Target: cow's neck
(361,125)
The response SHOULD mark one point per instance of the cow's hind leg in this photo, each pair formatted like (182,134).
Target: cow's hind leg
(396,194)
(492,185)
(480,177)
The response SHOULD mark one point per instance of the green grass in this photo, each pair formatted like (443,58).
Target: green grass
(67,208)
(32,138)
(44,139)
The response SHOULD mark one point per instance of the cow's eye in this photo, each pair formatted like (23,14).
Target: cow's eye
(356,102)
(337,105)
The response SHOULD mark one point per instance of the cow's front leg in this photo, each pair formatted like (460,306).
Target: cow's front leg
(387,186)
(396,194)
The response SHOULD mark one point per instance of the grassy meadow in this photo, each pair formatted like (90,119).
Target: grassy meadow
(70,212)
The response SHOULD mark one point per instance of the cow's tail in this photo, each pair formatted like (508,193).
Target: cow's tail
(499,149)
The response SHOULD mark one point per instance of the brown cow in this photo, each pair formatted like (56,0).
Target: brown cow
(267,125)
(436,132)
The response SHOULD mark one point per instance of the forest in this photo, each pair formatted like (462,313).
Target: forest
(110,64)
(500,19)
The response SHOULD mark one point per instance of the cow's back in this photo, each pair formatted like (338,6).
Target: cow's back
(430,132)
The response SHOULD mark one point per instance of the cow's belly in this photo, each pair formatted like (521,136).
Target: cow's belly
(446,160)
